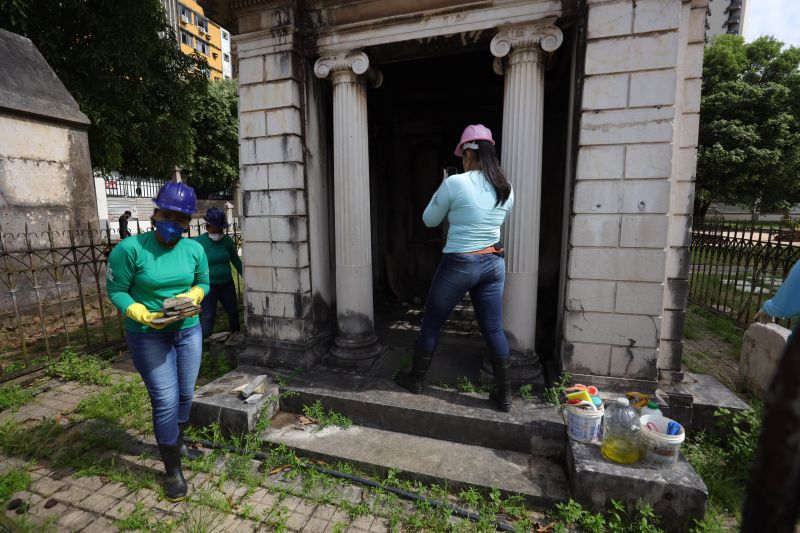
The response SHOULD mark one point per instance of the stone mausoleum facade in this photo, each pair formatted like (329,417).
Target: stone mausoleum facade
(350,110)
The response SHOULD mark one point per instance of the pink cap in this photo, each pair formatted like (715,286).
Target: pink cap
(474,132)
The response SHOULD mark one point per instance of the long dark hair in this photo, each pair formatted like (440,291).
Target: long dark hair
(492,171)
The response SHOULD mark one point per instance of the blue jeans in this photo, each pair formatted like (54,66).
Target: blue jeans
(483,276)
(227,295)
(168,363)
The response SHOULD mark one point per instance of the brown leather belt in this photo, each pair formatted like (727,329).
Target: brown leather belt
(488,250)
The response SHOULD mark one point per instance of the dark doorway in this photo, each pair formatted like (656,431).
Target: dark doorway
(415,120)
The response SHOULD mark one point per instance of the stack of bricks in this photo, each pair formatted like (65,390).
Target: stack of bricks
(634,191)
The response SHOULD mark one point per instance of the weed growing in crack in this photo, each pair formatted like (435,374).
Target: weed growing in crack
(87,369)
(125,405)
(13,481)
(526,392)
(13,396)
(552,395)
(325,419)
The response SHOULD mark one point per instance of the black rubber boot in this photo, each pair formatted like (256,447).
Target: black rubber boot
(182,448)
(174,483)
(413,379)
(502,383)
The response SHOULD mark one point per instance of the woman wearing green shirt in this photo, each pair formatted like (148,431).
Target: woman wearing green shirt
(221,252)
(143,271)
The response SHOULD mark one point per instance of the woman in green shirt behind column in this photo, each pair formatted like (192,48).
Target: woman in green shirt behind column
(221,252)
(144,270)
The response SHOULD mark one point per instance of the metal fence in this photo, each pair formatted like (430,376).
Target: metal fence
(52,293)
(737,266)
(132,187)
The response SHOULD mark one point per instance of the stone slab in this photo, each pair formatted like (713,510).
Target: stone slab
(542,481)
(709,394)
(677,494)
(762,348)
(217,401)
(530,427)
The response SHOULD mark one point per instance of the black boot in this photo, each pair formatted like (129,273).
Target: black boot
(502,383)
(412,380)
(182,448)
(174,483)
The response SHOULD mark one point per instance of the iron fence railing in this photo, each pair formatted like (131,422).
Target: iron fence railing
(737,266)
(52,293)
(132,187)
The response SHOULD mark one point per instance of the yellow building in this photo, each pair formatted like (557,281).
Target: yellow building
(199,34)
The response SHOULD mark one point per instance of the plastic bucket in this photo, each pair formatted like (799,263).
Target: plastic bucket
(656,448)
(584,425)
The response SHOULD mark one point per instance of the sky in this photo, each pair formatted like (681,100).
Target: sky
(779,18)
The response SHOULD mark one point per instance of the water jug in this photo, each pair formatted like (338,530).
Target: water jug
(621,433)
(651,409)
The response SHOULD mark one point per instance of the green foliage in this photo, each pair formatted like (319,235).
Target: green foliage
(214,365)
(465,385)
(215,165)
(724,465)
(138,519)
(552,395)
(325,419)
(121,62)
(14,396)
(749,140)
(125,405)
(83,369)
(640,518)
(526,392)
(13,481)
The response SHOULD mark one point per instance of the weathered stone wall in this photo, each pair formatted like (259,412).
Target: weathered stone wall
(279,302)
(633,191)
(45,168)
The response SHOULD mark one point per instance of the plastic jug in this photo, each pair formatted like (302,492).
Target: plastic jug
(621,433)
(651,409)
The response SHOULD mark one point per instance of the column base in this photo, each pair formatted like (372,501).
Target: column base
(287,355)
(358,353)
(614,384)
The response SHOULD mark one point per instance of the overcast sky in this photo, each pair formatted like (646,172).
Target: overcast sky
(779,18)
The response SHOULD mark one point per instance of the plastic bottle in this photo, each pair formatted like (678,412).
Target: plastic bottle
(651,409)
(621,433)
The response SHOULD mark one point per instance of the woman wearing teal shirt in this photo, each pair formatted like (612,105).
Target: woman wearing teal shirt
(143,271)
(475,203)
(221,252)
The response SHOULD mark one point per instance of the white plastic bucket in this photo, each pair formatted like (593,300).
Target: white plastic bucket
(656,448)
(584,425)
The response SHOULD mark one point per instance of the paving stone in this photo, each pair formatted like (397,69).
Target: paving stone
(47,486)
(324,512)
(121,510)
(92,483)
(100,525)
(363,522)
(115,490)
(76,519)
(380,525)
(316,525)
(297,521)
(97,502)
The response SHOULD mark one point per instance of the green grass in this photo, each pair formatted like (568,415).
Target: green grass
(13,481)
(214,365)
(699,320)
(13,396)
(87,369)
(125,405)
(325,418)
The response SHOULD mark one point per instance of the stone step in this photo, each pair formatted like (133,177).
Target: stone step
(541,481)
(531,427)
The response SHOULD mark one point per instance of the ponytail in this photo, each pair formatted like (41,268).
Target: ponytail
(492,171)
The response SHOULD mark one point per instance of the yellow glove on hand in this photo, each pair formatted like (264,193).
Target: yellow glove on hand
(140,314)
(195,293)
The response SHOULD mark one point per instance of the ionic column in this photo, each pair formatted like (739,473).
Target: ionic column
(355,345)
(521,53)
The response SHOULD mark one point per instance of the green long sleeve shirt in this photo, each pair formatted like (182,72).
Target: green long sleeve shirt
(220,256)
(142,270)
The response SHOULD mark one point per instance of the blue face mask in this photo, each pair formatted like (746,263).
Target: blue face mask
(169,230)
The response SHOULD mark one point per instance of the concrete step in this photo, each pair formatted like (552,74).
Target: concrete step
(541,481)
(531,427)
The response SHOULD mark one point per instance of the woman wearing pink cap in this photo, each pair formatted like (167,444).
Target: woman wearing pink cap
(475,203)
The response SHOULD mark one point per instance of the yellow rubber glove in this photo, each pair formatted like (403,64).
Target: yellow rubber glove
(140,314)
(195,293)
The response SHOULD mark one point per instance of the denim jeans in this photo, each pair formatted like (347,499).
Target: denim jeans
(227,295)
(168,363)
(483,276)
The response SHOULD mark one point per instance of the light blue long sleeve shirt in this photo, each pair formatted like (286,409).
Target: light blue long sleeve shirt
(786,302)
(468,201)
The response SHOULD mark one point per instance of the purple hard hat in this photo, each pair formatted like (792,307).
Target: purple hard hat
(473,132)
(215,217)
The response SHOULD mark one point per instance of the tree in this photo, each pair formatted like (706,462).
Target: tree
(121,62)
(215,165)
(749,140)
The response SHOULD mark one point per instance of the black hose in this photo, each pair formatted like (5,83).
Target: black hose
(457,511)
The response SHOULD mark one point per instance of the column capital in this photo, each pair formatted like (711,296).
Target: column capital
(543,34)
(354,63)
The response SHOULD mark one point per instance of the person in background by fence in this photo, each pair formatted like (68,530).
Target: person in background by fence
(772,500)
(123,225)
(142,272)
(221,252)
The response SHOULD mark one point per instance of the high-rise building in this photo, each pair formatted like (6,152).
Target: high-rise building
(196,33)
(725,16)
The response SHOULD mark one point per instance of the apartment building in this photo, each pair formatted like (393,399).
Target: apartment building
(196,33)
